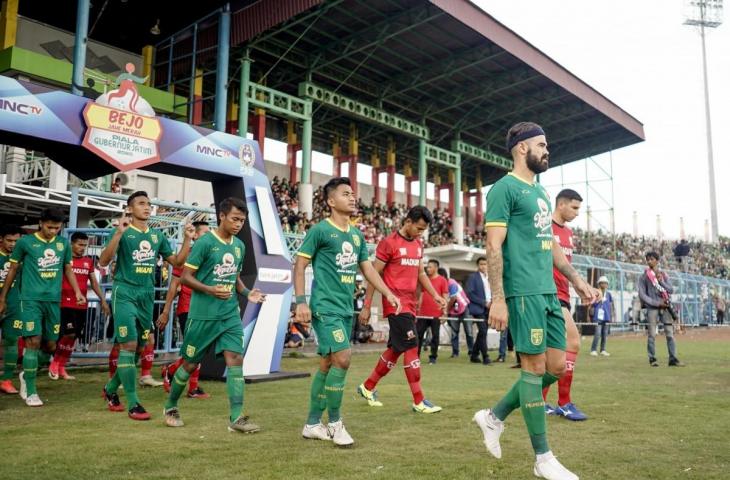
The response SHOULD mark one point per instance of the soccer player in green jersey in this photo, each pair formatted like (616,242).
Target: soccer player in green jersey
(10,322)
(521,252)
(43,257)
(336,249)
(137,247)
(213,272)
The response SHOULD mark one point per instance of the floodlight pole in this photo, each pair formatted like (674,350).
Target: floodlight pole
(703,22)
(708,123)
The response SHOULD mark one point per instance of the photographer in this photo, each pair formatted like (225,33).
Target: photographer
(654,292)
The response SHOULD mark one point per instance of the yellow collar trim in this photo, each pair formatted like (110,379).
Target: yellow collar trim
(338,228)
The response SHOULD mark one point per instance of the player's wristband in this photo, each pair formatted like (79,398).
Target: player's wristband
(368,303)
(300,299)
(245,292)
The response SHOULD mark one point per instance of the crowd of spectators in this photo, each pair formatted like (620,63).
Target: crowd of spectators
(691,255)
(377,220)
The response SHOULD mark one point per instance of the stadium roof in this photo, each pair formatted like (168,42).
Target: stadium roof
(443,63)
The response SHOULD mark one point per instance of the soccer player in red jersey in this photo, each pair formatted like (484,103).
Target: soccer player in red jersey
(567,205)
(183,293)
(399,258)
(73,314)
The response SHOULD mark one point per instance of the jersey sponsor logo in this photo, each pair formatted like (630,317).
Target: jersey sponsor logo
(536,336)
(81,271)
(410,262)
(338,335)
(227,268)
(542,217)
(49,259)
(4,273)
(403,251)
(348,257)
(144,252)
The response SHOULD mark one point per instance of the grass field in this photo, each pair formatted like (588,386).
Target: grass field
(645,423)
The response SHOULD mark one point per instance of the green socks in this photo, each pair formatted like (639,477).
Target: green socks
(317,398)
(178,384)
(10,358)
(548,379)
(30,369)
(127,373)
(533,410)
(508,403)
(334,387)
(234,385)
(44,359)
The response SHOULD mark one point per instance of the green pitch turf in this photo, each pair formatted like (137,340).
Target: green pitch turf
(645,423)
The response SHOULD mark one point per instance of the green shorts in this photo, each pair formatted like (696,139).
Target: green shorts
(536,323)
(132,307)
(333,332)
(200,335)
(41,319)
(12,324)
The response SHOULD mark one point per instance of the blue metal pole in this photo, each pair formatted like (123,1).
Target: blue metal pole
(82,29)
(73,218)
(221,76)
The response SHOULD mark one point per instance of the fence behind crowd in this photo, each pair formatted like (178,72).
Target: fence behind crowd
(693,296)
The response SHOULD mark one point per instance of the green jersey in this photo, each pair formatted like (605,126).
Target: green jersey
(335,255)
(137,256)
(42,269)
(215,262)
(13,299)
(524,208)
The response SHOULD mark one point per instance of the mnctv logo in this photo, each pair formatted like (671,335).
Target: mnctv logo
(19,108)
(212,151)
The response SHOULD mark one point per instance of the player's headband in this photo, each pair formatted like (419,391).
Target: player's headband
(533,132)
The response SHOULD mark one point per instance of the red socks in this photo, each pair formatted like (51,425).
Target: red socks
(148,354)
(566,380)
(412,366)
(21,349)
(385,364)
(194,377)
(113,358)
(64,349)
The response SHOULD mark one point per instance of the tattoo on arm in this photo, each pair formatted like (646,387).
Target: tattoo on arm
(495,266)
(570,273)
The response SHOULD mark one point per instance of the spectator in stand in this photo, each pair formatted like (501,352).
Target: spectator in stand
(117,185)
(681,252)
(457,308)
(430,314)
(602,312)
(480,299)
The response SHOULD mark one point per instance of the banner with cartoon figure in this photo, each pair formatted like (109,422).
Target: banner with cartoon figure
(119,131)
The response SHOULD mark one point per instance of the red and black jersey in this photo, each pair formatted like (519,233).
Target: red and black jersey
(82,267)
(402,258)
(183,298)
(564,236)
